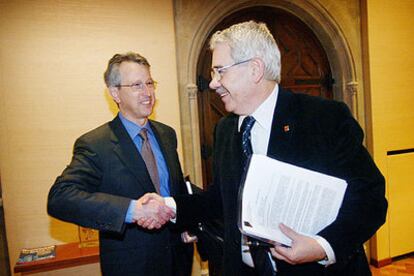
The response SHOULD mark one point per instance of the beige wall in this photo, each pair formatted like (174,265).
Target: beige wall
(391,66)
(52,57)
(391,37)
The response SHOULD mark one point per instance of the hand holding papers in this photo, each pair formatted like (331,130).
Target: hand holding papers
(275,192)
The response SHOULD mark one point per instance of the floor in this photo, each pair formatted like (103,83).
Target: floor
(401,267)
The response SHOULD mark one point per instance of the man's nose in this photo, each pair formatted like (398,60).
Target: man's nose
(146,90)
(214,83)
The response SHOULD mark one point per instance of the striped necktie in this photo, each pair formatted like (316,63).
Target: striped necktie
(245,129)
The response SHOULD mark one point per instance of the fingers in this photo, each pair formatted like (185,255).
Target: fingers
(303,249)
(165,213)
(142,222)
(150,196)
(155,224)
(289,232)
(151,212)
(159,211)
(187,238)
(149,223)
(281,253)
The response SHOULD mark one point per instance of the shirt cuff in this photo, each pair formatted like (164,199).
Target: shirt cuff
(330,254)
(130,212)
(170,202)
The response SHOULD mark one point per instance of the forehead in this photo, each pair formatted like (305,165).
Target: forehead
(129,70)
(221,55)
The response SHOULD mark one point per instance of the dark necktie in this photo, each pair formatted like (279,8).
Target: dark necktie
(149,159)
(245,129)
(260,256)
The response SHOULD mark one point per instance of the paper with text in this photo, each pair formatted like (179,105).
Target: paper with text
(276,192)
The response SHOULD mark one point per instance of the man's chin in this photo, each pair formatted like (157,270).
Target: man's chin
(228,107)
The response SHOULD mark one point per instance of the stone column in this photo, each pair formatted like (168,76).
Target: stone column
(351,89)
(195,166)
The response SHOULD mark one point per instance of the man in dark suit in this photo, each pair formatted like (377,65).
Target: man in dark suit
(110,169)
(306,131)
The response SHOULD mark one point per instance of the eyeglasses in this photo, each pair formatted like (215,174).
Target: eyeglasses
(217,72)
(138,87)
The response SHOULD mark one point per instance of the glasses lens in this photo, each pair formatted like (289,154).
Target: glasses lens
(141,86)
(137,87)
(215,74)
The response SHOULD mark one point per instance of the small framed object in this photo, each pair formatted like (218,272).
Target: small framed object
(88,237)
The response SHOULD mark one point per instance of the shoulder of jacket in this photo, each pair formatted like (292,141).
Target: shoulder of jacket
(161,126)
(101,132)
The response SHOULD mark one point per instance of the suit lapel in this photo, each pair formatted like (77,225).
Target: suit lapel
(236,147)
(283,127)
(233,147)
(125,149)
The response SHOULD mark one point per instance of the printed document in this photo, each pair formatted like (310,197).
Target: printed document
(275,192)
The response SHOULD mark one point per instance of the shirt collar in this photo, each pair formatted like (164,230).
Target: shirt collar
(261,114)
(132,128)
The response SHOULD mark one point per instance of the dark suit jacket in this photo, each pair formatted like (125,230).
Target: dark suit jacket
(95,190)
(322,136)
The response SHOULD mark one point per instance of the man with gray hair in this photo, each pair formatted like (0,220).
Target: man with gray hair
(306,131)
(114,165)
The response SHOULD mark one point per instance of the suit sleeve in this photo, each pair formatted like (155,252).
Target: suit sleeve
(198,207)
(203,206)
(75,196)
(364,207)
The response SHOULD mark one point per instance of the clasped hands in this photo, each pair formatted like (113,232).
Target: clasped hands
(151,212)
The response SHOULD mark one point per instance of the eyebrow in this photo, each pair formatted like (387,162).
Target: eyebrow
(140,81)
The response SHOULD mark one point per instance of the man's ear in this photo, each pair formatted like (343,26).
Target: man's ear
(258,69)
(114,92)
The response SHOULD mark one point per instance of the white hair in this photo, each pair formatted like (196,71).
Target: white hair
(249,40)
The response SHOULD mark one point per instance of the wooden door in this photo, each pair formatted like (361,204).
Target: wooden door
(305,69)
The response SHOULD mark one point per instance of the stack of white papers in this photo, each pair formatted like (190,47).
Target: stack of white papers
(275,192)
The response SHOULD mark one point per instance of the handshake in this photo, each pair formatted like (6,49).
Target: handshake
(151,211)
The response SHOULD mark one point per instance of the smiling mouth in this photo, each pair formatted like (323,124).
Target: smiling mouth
(222,93)
(146,100)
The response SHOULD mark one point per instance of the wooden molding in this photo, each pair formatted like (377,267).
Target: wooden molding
(67,255)
(381,263)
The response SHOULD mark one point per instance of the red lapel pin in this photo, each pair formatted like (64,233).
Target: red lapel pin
(286,128)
